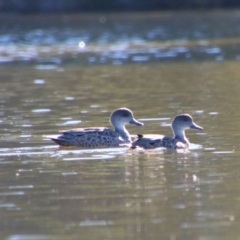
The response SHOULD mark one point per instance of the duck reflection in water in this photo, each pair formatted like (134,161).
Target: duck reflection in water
(101,136)
(179,141)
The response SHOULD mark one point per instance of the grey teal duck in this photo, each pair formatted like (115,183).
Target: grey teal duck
(101,136)
(179,141)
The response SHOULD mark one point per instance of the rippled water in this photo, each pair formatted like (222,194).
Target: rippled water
(73,72)
(119,38)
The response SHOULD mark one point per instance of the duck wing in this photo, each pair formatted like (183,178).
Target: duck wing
(148,141)
(88,137)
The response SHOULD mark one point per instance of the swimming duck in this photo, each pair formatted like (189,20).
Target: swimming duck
(101,136)
(179,141)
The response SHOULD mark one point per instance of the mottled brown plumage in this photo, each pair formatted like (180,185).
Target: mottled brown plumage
(101,136)
(178,141)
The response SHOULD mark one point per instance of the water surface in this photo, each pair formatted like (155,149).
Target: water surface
(73,72)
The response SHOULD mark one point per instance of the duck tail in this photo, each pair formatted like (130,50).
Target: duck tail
(60,142)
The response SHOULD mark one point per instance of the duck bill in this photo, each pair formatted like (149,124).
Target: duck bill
(136,122)
(195,126)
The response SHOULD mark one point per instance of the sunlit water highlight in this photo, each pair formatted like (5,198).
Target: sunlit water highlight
(72,72)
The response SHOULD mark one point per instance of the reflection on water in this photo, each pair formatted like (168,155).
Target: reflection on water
(73,73)
(119,39)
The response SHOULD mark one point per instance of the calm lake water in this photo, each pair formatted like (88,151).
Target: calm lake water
(65,71)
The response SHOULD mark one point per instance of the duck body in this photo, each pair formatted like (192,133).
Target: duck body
(150,141)
(178,141)
(101,136)
(89,137)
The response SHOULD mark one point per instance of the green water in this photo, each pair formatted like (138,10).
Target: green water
(117,193)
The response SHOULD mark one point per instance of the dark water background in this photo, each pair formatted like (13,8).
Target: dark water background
(64,71)
(51,6)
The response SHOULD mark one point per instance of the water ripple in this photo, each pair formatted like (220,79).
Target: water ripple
(140,50)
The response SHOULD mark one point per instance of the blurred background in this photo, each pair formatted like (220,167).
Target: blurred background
(69,63)
(28,6)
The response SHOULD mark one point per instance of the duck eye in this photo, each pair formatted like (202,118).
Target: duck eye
(185,119)
(125,114)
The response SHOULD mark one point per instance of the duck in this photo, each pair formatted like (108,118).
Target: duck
(179,140)
(101,136)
